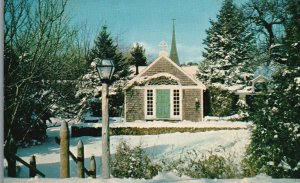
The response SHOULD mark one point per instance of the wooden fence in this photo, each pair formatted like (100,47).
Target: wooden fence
(63,140)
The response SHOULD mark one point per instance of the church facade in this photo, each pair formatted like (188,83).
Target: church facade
(164,91)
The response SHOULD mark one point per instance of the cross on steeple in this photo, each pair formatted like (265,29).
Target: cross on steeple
(173,52)
(163,45)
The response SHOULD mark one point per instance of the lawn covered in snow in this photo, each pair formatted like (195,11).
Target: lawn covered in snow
(166,146)
(211,123)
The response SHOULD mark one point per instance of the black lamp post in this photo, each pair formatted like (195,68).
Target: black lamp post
(105,69)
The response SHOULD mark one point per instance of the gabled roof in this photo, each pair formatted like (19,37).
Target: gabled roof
(191,70)
(248,90)
(140,75)
(259,78)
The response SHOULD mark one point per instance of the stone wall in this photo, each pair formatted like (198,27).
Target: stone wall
(189,110)
(134,105)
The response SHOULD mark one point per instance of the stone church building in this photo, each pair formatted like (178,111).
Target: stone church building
(164,91)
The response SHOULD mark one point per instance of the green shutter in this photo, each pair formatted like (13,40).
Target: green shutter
(163,103)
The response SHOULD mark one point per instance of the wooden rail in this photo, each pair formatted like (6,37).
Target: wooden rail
(29,166)
(57,140)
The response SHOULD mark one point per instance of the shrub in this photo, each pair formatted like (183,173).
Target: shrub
(133,162)
(249,166)
(199,165)
(221,102)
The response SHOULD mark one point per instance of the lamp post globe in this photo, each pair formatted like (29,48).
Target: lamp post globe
(105,68)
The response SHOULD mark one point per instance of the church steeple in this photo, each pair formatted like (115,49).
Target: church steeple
(173,52)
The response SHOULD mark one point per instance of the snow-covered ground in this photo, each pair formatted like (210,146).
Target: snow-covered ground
(160,178)
(157,146)
(212,122)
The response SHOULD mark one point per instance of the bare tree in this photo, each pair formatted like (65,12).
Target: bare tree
(40,46)
(267,17)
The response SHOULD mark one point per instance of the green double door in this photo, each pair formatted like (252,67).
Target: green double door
(163,103)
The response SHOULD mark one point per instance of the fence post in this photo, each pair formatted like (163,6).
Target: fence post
(92,169)
(80,159)
(9,151)
(64,151)
(32,162)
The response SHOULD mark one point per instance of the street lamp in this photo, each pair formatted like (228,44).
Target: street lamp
(105,69)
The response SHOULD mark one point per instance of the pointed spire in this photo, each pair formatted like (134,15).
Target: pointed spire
(173,52)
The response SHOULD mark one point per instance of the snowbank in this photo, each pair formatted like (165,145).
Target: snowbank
(212,122)
(162,177)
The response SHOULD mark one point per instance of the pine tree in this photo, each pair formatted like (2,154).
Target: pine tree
(89,91)
(275,144)
(229,48)
(105,48)
(138,57)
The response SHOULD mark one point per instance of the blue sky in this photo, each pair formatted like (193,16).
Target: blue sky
(149,22)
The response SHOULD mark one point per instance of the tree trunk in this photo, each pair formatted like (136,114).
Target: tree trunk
(136,69)
(10,150)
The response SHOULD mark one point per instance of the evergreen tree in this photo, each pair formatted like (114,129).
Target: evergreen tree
(229,48)
(138,57)
(275,144)
(88,90)
(105,48)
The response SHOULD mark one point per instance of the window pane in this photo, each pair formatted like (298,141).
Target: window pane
(150,102)
(176,103)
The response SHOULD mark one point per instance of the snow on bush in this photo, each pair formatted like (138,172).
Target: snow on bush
(133,162)
(214,164)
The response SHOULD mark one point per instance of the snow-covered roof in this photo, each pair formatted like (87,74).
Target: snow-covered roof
(251,89)
(190,72)
(132,69)
(246,90)
(228,88)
